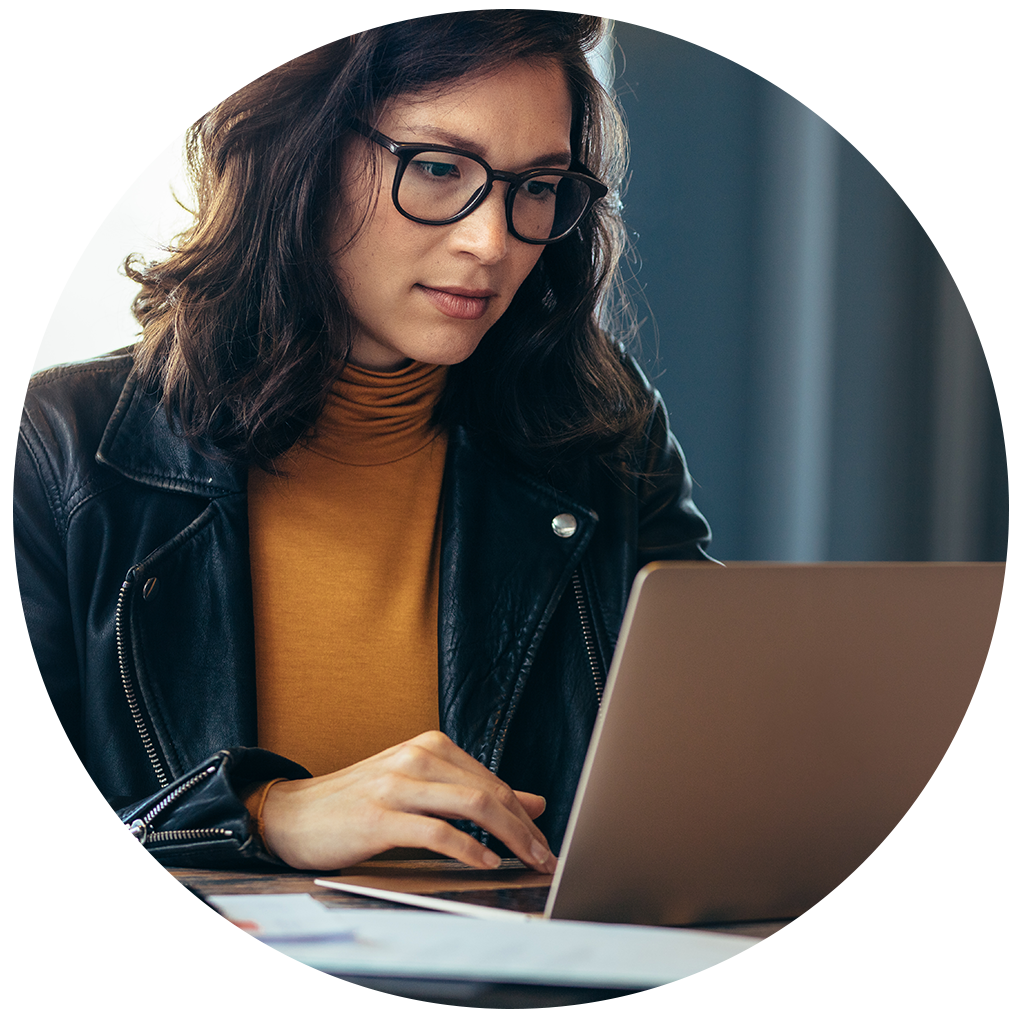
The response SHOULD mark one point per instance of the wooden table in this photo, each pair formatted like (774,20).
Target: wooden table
(945,958)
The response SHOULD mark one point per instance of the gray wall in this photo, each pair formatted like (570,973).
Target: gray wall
(822,372)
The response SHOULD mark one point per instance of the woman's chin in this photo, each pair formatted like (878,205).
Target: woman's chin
(382,358)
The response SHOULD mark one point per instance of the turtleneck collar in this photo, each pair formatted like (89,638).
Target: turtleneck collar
(373,417)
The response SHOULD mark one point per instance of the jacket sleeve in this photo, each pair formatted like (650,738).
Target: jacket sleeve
(199,818)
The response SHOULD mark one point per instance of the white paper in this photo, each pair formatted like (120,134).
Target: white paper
(393,942)
(294,931)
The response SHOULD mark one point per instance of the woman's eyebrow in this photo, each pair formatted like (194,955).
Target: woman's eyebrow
(456,141)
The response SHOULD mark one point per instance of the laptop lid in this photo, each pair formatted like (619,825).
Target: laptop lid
(763,729)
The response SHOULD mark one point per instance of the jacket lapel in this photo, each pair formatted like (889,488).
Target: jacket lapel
(503,569)
(187,596)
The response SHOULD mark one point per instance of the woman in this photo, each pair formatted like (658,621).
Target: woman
(371,489)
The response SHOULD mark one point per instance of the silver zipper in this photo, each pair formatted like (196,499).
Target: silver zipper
(141,828)
(591,653)
(129,686)
(587,634)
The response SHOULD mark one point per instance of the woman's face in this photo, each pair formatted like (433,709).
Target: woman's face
(430,293)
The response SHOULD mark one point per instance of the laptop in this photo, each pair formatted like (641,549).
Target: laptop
(763,729)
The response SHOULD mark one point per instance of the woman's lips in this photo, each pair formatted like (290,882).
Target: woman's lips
(458,303)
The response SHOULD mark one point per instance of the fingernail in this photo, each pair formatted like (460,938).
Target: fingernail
(539,853)
(491,859)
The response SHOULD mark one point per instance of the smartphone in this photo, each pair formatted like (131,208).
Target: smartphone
(135,902)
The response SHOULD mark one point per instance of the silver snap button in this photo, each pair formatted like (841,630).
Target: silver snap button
(151,588)
(564,525)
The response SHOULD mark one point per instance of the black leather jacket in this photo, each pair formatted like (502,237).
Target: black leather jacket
(132,554)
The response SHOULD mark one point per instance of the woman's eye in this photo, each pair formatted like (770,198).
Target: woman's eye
(540,189)
(434,169)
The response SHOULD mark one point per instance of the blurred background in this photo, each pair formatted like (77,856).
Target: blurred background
(820,367)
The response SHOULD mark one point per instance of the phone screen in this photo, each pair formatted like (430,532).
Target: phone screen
(136,902)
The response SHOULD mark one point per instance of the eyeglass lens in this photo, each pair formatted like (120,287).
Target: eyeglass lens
(438,186)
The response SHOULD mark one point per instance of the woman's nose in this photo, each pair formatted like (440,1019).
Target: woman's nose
(484,233)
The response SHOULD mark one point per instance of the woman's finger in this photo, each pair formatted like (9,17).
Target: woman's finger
(487,808)
(434,757)
(534,805)
(410,830)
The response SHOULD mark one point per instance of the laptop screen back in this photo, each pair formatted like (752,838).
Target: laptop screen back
(764,728)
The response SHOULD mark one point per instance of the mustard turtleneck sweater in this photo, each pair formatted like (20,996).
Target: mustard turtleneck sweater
(345,551)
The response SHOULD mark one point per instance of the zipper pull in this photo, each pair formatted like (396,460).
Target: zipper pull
(121,840)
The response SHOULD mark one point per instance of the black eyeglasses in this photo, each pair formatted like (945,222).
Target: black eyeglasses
(436,184)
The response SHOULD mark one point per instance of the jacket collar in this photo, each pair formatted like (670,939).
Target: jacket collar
(140,443)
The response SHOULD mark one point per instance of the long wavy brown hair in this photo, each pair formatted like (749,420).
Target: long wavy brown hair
(244,327)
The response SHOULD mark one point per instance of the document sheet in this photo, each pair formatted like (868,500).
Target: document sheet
(396,942)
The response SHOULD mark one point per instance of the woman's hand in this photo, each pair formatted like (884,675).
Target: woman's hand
(402,798)
(991,855)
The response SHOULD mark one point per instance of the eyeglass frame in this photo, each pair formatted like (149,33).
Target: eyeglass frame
(406,152)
